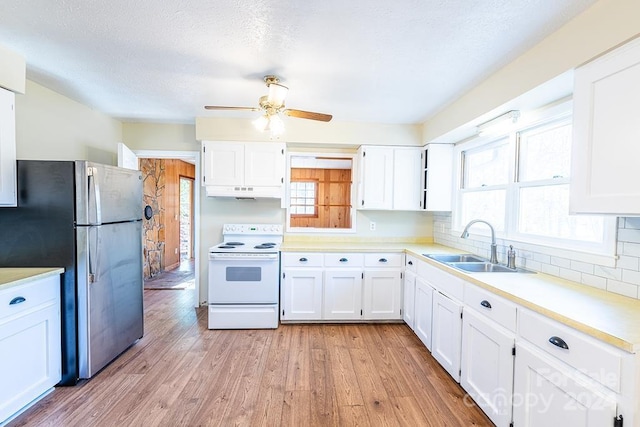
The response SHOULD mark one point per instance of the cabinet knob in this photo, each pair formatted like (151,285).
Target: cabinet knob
(17,300)
(343,260)
(303,259)
(410,262)
(382,260)
(558,342)
(485,303)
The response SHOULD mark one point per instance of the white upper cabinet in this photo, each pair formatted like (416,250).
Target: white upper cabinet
(243,169)
(606,134)
(7,148)
(389,178)
(437,177)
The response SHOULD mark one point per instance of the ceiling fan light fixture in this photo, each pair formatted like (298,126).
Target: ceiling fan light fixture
(276,125)
(261,123)
(277,94)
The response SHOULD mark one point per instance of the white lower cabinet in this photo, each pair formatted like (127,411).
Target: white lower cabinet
(486,370)
(341,286)
(302,294)
(409,298)
(342,294)
(382,292)
(423,311)
(447,333)
(30,344)
(547,393)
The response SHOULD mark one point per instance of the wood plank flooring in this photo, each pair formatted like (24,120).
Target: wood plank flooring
(182,374)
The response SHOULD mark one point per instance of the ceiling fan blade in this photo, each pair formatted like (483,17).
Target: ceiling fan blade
(218,107)
(308,115)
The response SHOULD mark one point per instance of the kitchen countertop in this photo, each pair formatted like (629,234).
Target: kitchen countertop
(609,317)
(10,277)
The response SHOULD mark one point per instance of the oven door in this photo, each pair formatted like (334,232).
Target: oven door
(244,279)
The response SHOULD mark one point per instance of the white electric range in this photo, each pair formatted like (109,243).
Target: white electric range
(244,277)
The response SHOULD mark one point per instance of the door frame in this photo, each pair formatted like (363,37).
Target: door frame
(193,156)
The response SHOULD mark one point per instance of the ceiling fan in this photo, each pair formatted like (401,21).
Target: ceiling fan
(272,104)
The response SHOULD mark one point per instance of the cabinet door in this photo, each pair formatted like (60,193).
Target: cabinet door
(264,164)
(409,298)
(423,312)
(301,294)
(406,179)
(447,332)
(7,148)
(605,152)
(382,292)
(223,163)
(376,178)
(549,394)
(31,357)
(437,177)
(487,366)
(342,294)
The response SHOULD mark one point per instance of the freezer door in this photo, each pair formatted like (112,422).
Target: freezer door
(110,313)
(107,194)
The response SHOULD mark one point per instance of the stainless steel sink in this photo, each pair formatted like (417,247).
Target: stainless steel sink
(485,267)
(455,258)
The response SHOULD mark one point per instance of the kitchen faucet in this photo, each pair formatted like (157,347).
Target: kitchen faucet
(494,247)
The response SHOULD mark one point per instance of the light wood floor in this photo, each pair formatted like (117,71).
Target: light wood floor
(181,374)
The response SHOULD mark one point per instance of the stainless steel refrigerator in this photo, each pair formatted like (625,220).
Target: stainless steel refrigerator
(87,218)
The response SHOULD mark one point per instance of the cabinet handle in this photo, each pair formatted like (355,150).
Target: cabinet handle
(410,262)
(558,342)
(17,300)
(382,260)
(343,260)
(303,259)
(485,303)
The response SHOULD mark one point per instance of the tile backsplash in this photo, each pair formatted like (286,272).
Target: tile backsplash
(621,276)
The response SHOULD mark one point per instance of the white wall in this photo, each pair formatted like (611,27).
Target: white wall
(50,126)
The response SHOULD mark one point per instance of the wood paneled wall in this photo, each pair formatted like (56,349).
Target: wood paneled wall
(174,169)
(334,197)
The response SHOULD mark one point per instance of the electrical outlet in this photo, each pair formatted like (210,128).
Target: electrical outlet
(372,226)
(176,252)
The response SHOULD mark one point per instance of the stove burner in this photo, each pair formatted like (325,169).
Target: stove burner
(265,246)
(226,247)
(234,243)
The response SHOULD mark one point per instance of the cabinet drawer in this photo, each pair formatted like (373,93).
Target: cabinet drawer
(441,280)
(494,307)
(411,263)
(302,259)
(343,260)
(18,299)
(584,353)
(383,260)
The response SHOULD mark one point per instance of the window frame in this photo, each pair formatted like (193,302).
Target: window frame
(512,195)
(315,198)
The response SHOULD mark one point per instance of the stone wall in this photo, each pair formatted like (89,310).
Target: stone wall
(153,174)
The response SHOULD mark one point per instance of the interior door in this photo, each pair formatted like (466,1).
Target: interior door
(127,158)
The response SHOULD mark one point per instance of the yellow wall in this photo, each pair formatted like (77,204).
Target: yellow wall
(50,126)
(605,25)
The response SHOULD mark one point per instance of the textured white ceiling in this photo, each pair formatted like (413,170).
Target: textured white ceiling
(372,61)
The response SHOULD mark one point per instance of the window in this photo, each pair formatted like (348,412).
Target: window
(304,198)
(520,184)
(320,193)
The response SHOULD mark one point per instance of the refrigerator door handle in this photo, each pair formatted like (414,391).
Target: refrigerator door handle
(92,173)
(91,254)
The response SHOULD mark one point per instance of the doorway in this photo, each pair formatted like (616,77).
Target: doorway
(133,158)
